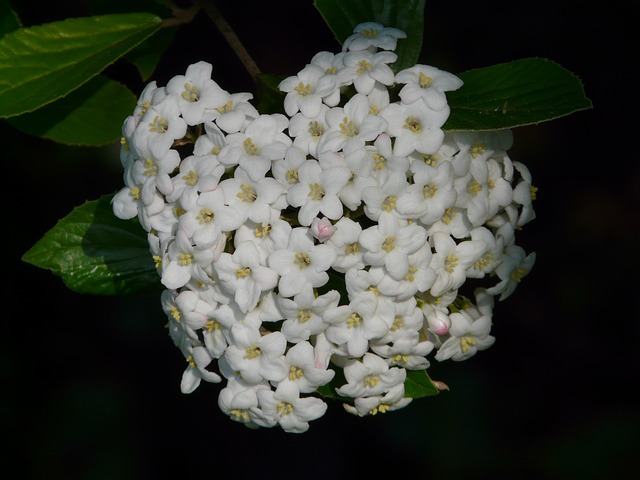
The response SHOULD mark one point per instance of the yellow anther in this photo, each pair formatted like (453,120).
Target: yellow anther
(316,192)
(144,106)
(347,128)
(533,191)
(351,248)
(191,361)
(448,216)
(389,203)
(191,93)
(369,32)
(316,129)
(400,359)
(411,274)
(430,160)
(250,147)
(477,150)
(483,262)
(424,81)
(518,273)
(354,320)
(175,313)
(304,315)
(157,259)
(303,89)
(185,258)
(371,380)
(243,272)
(239,415)
(262,230)
(451,262)
(364,66)
(247,194)
(159,125)
(135,193)
(291,176)
(284,408)
(389,244)
(379,162)
(190,178)
(226,107)
(412,124)
(295,373)
(473,187)
(398,323)
(252,352)
(205,215)
(211,325)
(429,190)
(302,260)
(467,342)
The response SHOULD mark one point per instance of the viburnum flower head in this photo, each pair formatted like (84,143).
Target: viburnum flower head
(326,251)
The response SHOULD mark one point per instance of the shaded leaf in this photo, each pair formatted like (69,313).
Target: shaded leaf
(418,384)
(95,252)
(9,21)
(91,115)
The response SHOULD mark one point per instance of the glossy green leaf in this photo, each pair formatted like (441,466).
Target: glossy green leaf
(343,15)
(95,252)
(418,384)
(91,115)
(43,63)
(514,94)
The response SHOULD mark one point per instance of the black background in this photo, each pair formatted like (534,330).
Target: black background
(90,385)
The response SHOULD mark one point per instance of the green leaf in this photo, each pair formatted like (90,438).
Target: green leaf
(91,115)
(147,55)
(342,16)
(43,63)
(418,384)
(270,99)
(9,21)
(95,252)
(514,94)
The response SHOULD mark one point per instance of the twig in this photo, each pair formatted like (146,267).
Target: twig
(231,38)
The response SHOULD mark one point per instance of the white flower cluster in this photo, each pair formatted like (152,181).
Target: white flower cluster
(336,237)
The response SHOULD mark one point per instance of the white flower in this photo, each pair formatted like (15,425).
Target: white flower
(374,35)
(415,127)
(257,357)
(185,262)
(307,131)
(385,163)
(285,170)
(514,265)
(233,112)
(292,412)
(159,127)
(257,146)
(196,174)
(419,278)
(368,68)
(153,172)
(524,194)
(427,83)
(317,191)
(382,200)
(353,123)
(363,319)
(207,220)
(252,199)
(467,337)
(345,242)
(490,258)
(186,308)
(370,376)
(268,232)
(242,275)
(301,263)
(304,314)
(390,243)
(198,358)
(195,92)
(394,399)
(305,90)
(408,352)
(451,260)
(240,402)
(304,375)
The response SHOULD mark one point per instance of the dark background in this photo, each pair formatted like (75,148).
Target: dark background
(90,385)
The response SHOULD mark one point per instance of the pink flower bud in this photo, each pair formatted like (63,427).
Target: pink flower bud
(439,322)
(322,229)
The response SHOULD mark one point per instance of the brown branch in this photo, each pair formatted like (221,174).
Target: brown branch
(232,39)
